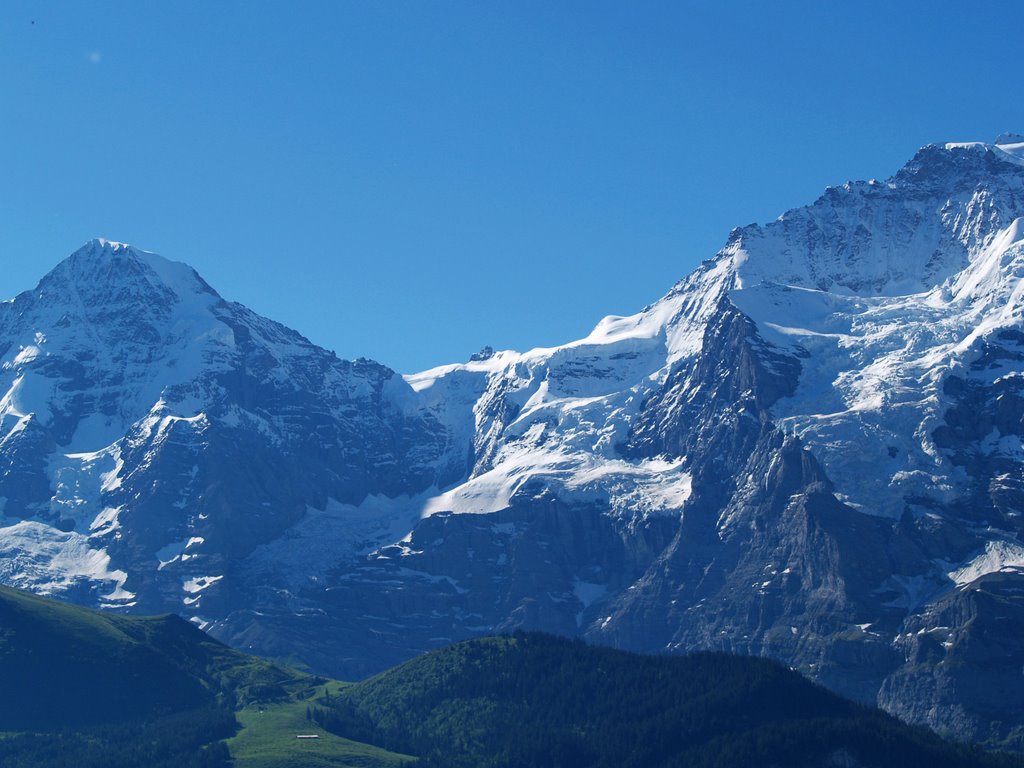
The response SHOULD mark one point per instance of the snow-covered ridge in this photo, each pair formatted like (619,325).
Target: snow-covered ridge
(1008,147)
(888,285)
(998,556)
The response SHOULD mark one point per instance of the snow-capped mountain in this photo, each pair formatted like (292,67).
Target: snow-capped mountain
(153,433)
(810,448)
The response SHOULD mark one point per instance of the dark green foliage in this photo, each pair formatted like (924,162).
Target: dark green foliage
(62,666)
(182,740)
(535,700)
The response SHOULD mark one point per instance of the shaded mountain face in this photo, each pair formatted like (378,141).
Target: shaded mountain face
(809,449)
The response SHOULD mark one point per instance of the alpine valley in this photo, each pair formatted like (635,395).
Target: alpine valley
(809,449)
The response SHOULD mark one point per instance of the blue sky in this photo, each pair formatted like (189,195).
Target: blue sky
(410,181)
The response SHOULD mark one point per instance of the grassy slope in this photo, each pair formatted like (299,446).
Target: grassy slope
(58,661)
(268,741)
(69,666)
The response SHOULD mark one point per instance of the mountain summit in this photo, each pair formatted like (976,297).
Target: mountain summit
(103,263)
(808,449)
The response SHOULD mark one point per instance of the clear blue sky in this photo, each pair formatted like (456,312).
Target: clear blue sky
(410,181)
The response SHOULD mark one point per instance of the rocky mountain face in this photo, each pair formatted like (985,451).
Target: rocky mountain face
(154,434)
(809,449)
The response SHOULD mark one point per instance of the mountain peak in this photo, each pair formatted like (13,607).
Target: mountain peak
(100,250)
(103,266)
(102,244)
(1008,147)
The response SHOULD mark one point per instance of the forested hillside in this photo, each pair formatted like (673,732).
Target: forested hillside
(538,700)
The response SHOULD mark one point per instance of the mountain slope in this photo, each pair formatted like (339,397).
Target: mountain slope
(70,667)
(539,700)
(87,689)
(809,449)
(153,433)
